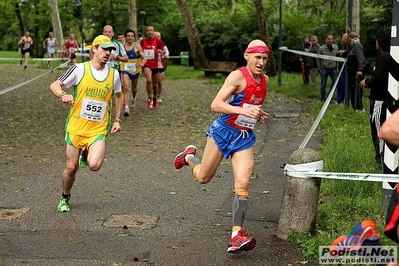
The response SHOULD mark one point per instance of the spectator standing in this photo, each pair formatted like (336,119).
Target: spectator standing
(378,85)
(303,59)
(356,64)
(327,67)
(341,82)
(26,42)
(311,62)
(49,44)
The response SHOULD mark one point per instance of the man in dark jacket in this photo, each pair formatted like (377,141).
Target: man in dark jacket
(356,65)
(312,62)
(342,79)
(378,85)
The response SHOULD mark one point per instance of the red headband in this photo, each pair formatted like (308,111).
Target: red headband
(258,49)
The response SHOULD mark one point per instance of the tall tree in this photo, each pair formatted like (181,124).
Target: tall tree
(133,16)
(194,40)
(56,21)
(354,16)
(260,13)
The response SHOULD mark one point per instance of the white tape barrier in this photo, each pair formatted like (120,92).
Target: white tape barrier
(28,81)
(322,111)
(50,59)
(328,57)
(84,54)
(315,169)
(36,59)
(330,95)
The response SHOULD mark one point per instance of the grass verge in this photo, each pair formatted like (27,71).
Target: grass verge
(347,147)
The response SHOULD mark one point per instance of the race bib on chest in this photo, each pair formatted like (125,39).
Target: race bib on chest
(71,50)
(93,110)
(246,121)
(150,54)
(129,67)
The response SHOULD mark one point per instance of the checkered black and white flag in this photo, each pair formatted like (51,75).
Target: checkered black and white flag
(391,153)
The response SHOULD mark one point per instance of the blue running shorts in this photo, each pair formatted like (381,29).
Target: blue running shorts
(229,139)
(131,76)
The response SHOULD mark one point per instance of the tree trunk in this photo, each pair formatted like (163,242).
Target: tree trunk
(56,21)
(356,17)
(133,17)
(260,13)
(36,50)
(192,34)
(354,24)
(233,7)
(19,16)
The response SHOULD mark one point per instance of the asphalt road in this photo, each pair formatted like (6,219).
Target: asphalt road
(137,210)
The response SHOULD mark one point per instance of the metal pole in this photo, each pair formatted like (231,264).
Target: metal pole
(350,7)
(143,13)
(280,43)
(391,154)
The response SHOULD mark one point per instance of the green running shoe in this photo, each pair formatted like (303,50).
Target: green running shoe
(63,206)
(83,158)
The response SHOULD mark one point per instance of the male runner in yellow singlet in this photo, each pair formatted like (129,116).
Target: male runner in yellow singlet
(89,119)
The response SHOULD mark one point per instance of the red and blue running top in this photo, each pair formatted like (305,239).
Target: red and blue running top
(253,94)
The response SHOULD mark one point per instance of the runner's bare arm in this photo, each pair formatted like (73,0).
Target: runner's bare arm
(56,89)
(116,125)
(390,129)
(141,53)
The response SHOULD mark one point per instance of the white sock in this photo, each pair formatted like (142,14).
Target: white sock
(234,233)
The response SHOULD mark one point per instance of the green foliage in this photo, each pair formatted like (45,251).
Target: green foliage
(182,72)
(224,31)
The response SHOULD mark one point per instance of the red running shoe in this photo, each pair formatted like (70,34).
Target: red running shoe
(180,159)
(154,103)
(241,242)
(149,102)
(365,230)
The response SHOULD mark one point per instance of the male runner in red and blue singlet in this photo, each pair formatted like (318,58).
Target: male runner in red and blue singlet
(239,103)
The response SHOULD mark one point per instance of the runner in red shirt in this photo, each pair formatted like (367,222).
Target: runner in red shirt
(70,47)
(152,47)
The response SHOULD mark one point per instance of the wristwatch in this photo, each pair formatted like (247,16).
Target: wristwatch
(117,120)
(63,93)
(141,65)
